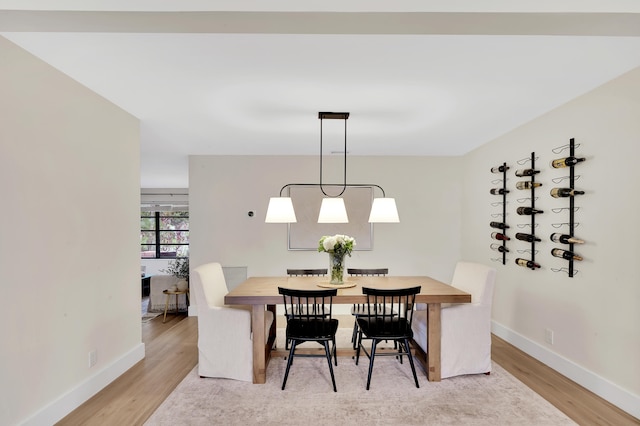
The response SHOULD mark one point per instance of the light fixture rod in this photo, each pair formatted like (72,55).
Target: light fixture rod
(346,185)
(334,116)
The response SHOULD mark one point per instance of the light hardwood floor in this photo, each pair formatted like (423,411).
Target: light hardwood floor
(171,353)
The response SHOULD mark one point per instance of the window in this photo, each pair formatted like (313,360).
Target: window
(164,235)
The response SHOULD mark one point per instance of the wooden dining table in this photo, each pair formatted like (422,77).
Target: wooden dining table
(262,294)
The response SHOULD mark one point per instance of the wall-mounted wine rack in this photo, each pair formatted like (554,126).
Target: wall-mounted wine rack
(572,209)
(503,191)
(531,185)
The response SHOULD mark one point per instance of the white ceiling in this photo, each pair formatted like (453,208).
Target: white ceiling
(237,83)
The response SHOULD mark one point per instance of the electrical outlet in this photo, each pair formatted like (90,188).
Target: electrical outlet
(93,358)
(548,336)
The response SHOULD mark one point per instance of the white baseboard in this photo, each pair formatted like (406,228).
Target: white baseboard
(602,387)
(69,401)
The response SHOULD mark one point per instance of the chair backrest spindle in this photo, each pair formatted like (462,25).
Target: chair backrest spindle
(367,272)
(307,304)
(320,272)
(384,305)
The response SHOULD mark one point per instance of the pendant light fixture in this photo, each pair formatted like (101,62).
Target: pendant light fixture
(280,210)
(332,210)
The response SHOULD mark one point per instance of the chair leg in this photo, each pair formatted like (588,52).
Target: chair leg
(328,352)
(354,335)
(287,341)
(335,355)
(371,358)
(358,347)
(289,361)
(413,368)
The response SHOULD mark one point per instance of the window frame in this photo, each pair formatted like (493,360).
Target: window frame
(157,231)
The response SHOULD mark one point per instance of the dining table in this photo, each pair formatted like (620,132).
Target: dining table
(261,293)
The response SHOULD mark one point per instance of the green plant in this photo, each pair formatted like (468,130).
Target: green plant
(178,268)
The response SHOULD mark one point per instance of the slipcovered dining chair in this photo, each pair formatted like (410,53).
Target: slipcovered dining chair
(390,313)
(360,309)
(225,346)
(310,320)
(465,345)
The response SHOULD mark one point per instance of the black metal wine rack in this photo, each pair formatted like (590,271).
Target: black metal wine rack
(534,265)
(572,207)
(504,212)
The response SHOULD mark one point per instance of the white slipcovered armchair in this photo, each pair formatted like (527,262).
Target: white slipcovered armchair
(466,327)
(225,346)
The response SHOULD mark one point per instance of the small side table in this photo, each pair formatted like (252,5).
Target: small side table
(177,293)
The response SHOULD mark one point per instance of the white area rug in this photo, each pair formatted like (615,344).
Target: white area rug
(496,399)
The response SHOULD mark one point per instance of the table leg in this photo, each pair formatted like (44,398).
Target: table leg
(259,358)
(272,330)
(433,342)
(166,306)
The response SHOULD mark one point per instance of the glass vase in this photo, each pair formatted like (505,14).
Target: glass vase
(336,268)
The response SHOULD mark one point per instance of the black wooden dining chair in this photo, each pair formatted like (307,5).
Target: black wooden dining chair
(306,272)
(320,272)
(312,323)
(359,309)
(392,322)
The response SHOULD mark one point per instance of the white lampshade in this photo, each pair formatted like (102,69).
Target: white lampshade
(333,210)
(384,210)
(280,210)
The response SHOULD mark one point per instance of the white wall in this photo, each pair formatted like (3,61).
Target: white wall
(69,240)
(222,189)
(155,266)
(595,316)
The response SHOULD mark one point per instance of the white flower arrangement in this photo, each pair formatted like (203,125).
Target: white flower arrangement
(338,245)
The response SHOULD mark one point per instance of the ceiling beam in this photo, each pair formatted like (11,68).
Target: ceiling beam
(444,23)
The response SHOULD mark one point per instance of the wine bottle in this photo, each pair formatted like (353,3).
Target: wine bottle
(565,254)
(565,162)
(499,236)
(556,237)
(526,263)
(499,169)
(526,172)
(564,192)
(499,191)
(498,225)
(527,237)
(498,247)
(527,211)
(525,184)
